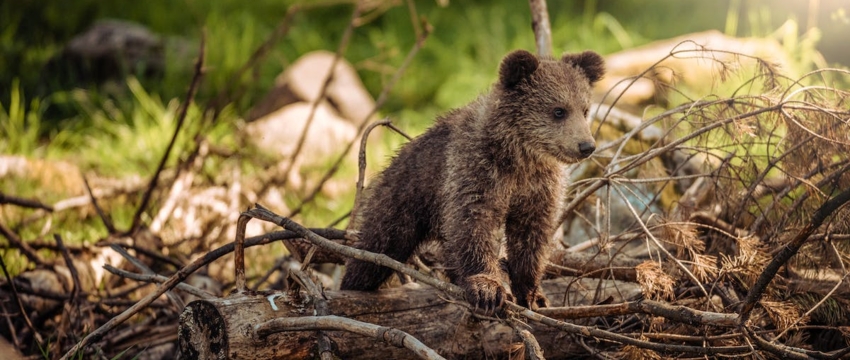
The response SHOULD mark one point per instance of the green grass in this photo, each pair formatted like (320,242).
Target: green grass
(121,129)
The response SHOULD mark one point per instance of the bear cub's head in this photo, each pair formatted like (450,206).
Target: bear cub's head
(545,102)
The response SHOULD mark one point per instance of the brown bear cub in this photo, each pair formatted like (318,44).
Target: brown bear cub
(493,168)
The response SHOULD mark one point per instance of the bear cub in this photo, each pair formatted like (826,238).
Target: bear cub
(492,169)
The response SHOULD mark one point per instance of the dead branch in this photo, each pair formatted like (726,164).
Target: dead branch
(264,214)
(154,278)
(343,44)
(20,305)
(330,322)
(27,203)
(75,275)
(540,26)
(224,97)
(532,347)
(239,253)
(566,262)
(320,303)
(361,173)
(21,245)
(107,222)
(666,348)
(181,118)
(678,313)
(789,250)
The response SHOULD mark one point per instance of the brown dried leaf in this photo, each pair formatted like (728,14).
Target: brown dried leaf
(631,352)
(784,314)
(704,267)
(654,282)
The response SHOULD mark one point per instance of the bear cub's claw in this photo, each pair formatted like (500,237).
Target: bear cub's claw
(486,293)
(534,300)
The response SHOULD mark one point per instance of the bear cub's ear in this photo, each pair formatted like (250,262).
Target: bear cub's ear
(589,62)
(516,66)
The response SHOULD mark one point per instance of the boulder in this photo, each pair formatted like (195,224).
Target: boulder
(303,81)
(109,50)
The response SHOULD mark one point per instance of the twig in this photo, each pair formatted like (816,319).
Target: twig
(602,334)
(320,303)
(788,251)
(142,251)
(135,262)
(805,196)
(224,97)
(658,243)
(17,297)
(177,190)
(181,118)
(613,172)
(239,253)
(391,336)
(71,310)
(147,271)
(266,215)
(772,268)
(782,351)
(532,347)
(22,246)
(343,44)
(414,18)
(825,297)
(27,203)
(399,131)
(361,174)
(75,276)
(13,334)
(677,313)
(83,200)
(172,281)
(154,278)
(107,221)
(278,264)
(38,245)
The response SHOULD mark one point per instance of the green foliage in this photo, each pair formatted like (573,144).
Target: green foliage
(121,129)
(19,124)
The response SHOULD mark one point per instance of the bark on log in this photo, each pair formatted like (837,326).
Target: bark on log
(223,328)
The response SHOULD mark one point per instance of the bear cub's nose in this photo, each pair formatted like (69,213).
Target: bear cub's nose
(586,149)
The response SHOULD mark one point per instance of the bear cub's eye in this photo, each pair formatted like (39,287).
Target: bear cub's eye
(559,113)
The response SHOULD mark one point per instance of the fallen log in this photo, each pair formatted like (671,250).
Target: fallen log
(225,328)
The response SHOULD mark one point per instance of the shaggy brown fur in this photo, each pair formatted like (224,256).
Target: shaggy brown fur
(494,167)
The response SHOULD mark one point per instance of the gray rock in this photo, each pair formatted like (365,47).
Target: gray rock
(109,50)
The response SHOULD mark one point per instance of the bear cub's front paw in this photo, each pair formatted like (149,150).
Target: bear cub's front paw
(533,300)
(486,293)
